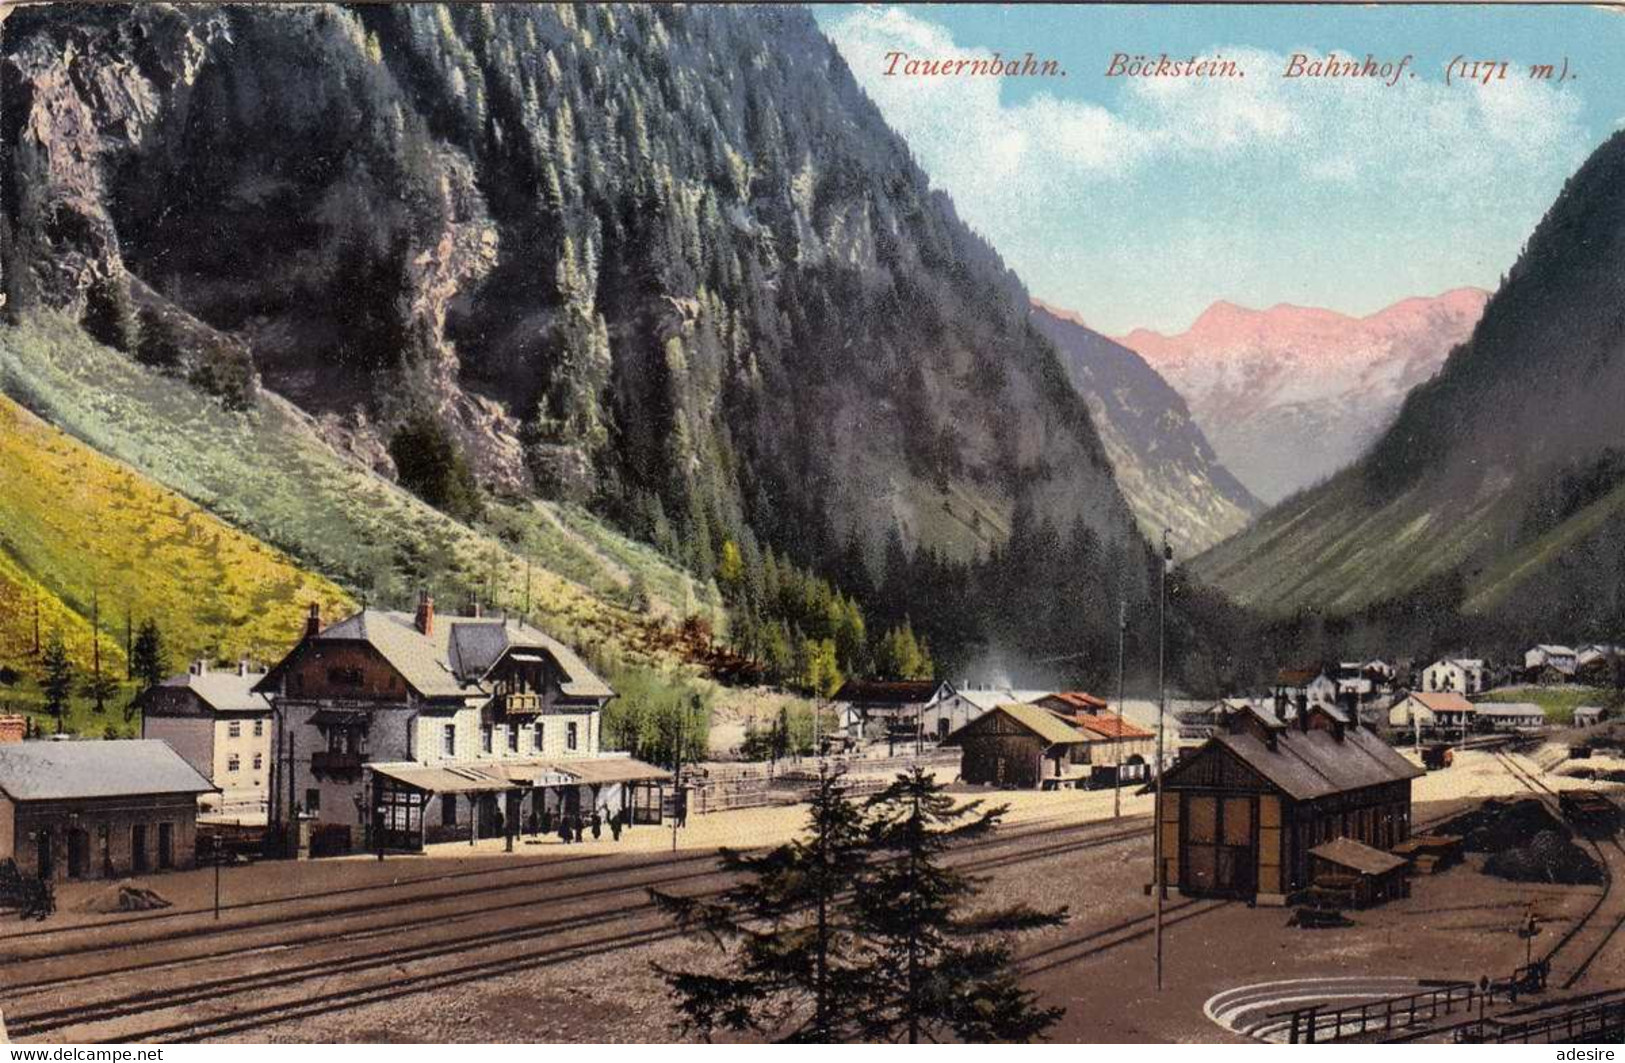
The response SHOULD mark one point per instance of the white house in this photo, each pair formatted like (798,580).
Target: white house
(1560,659)
(220,726)
(1303,687)
(1432,710)
(958,705)
(1462,675)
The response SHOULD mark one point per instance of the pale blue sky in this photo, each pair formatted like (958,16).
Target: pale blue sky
(1140,202)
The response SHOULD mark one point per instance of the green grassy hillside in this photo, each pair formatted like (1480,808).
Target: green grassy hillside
(268,472)
(75,526)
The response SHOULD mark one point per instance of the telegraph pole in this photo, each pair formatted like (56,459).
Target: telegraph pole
(1117,775)
(1158,886)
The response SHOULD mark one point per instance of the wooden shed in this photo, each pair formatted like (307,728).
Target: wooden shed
(1016,746)
(1355,875)
(1241,813)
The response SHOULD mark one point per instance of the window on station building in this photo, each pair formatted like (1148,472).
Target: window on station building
(571,731)
(344,677)
(486,744)
(448,743)
(234,729)
(313,800)
(513,738)
(259,728)
(234,763)
(259,761)
(536,737)
(448,810)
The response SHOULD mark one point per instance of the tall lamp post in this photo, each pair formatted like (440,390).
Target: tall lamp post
(1158,885)
(1117,771)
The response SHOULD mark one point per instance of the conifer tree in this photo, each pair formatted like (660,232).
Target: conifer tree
(794,969)
(936,968)
(56,678)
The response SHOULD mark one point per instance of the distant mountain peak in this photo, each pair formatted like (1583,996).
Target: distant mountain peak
(1290,394)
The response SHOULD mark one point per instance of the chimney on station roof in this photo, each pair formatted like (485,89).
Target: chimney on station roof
(425,617)
(313,620)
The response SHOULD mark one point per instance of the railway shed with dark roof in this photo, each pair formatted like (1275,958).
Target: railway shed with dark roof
(1241,812)
(1008,745)
(97,809)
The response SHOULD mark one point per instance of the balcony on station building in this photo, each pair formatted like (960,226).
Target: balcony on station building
(521,704)
(330,762)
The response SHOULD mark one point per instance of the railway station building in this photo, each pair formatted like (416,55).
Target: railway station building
(1017,746)
(1242,813)
(97,809)
(397,730)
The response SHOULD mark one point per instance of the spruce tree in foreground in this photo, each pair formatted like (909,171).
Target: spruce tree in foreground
(56,678)
(938,969)
(796,969)
(148,662)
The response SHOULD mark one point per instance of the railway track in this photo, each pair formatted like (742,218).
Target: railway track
(469,881)
(508,937)
(1586,935)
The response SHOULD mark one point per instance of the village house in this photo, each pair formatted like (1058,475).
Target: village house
(1462,675)
(1110,738)
(97,809)
(1550,663)
(1241,814)
(962,703)
(1016,746)
(1598,664)
(1198,724)
(1508,716)
(218,724)
(1589,715)
(399,729)
(1432,712)
(888,710)
(1299,688)
(1364,679)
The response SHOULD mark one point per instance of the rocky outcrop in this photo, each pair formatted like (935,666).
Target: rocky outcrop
(1162,460)
(716,308)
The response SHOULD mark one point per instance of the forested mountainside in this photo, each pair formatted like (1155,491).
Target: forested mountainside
(1500,485)
(1164,464)
(1290,395)
(666,262)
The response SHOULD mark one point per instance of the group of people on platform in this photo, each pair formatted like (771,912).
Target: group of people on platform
(573,827)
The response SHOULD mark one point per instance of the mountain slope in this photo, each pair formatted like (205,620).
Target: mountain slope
(1292,394)
(1504,472)
(270,473)
(76,526)
(669,261)
(1163,463)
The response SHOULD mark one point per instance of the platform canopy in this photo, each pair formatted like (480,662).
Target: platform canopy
(494,776)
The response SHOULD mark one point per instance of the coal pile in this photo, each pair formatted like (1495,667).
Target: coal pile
(1495,826)
(1525,843)
(1548,857)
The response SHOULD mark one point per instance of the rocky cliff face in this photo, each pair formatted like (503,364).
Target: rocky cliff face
(1292,394)
(1163,462)
(669,261)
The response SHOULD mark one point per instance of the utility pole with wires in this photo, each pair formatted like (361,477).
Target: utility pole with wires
(1117,771)
(1158,886)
